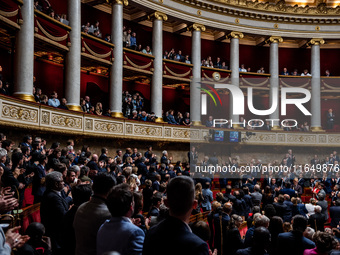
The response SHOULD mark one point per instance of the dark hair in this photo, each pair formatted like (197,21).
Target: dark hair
(261,239)
(157,197)
(120,200)
(35,231)
(276,226)
(121,179)
(81,194)
(269,211)
(42,158)
(138,198)
(323,241)
(60,167)
(103,183)
(180,195)
(16,157)
(201,229)
(299,223)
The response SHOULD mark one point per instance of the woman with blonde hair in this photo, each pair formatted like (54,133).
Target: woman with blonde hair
(198,196)
(99,109)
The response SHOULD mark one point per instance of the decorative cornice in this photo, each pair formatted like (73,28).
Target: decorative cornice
(197,27)
(236,35)
(316,41)
(158,15)
(274,39)
(122,2)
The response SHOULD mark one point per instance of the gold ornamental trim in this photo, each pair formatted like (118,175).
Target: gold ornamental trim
(9,14)
(235,35)
(330,87)
(197,27)
(96,54)
(316,41)
(158,15)
(135,65)
(75,108)
(48,35)
(274,39)
(212,79)
(26,97)
(176,74)
(122,2)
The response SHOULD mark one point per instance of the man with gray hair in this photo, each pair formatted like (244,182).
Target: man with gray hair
(324,205)
(256,196)
(259,221)
(309,232)
(7,178)
(53,208)
(317,220)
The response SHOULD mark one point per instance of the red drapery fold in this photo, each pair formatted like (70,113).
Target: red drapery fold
(177,70)
(51,30)
(96,48)
(10,10)
(137,61)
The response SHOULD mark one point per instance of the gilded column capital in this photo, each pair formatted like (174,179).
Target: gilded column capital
(122,2)
(274,39)
(236,35)
(196,27)
(316,41)
(158,15)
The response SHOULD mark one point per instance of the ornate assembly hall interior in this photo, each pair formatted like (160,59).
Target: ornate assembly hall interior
(142,95)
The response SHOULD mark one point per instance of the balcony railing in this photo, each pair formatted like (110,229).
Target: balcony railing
(10,12)
(51,31)
(22,114)
(96,49)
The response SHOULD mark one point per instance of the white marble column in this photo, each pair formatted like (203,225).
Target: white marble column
(116,72)
(24,54)
(157,77)
(274,78)
(235,72)
(73,57)
(195,84)
(316,84)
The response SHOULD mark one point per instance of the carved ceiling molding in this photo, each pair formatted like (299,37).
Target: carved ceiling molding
(280,6)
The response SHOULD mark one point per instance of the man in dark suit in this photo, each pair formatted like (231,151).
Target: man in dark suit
(293,242)
(334,213)
(53,208)
(288,190)
(180,200)
(228,194)
(317,220)
(8,180)
(157,200)
(91,215)
(38,184)
(287,217)
(324,206)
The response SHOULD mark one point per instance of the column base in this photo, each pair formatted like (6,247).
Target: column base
(117,115)
(197,123)
(159,120)
(317,129)
(75,108)
(26,97)
(276,128)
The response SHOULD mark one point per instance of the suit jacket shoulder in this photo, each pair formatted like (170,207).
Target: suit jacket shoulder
(183,241)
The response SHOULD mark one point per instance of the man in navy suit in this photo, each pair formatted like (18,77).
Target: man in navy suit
(53,208)
(293,242)
(119,233)
(38,184)
(181,201)
(334,213)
